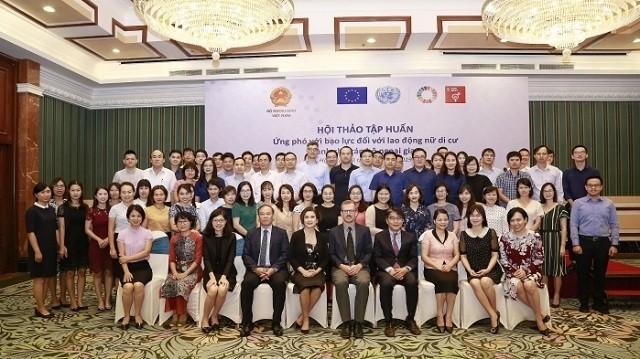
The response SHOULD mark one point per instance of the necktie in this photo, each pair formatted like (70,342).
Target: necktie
(396,248)
(263,249)
(351,253)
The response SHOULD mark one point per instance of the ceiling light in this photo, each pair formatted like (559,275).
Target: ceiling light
(561,24)
(217,25)
(371,40)
(49,8)
(116,51)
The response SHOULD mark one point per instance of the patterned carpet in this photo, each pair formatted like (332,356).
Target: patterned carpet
(92,334)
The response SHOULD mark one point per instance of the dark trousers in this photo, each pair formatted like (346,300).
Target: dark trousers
(596,252)
(251,281)
(387,282)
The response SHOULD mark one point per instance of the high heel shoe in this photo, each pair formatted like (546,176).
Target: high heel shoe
(45,316)
(494,330)
(545,331)
(206,330)
(439,328)
(124,326)
(546,319)
(139,325)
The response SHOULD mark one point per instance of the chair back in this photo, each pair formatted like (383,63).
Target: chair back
(160,243)
(159,264)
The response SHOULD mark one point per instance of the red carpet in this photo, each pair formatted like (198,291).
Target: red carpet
(622,280)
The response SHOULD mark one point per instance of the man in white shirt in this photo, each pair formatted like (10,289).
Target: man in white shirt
(130,173)
(526,159)
(280,165)
(157,174)
(290,176)
(239,173)
(265,174)
(543,172)
(247,156)
(362,176)
(207,207)
(316,172)
(486,165)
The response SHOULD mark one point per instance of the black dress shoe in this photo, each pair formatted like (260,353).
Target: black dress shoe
(389,330)
(494,330)
(45,316)
(215,327)
(571,268)
(246,329)
(448,329)
(601,309)
(346,331)
(139,325)
(205,330)
(358,333)
(413,327)
(56,306)
(584,309)
(277,329)
(124,326)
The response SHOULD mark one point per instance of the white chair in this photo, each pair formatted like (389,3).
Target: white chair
(467,309)
(193,308)
(231,308)
(369,313)
(159,267)
(292,308)
(263,304)
(513,312)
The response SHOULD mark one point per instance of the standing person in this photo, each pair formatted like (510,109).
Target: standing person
(213,202)
(96,226)
(441,195)
(376,213)
(308,193)
(543,172)
(521,258)
(378,160)
(440,255)
(200,156)
(465,201)
(524,200)
(59,196)
(185,258)
(416,214)
(118,222)
(266,252)
(265,174)
(496,215)
(350,248)
(239,173)
(229,194)
(339,175)
(462,158)
(218,253)
(157,174)
(291,175)
(363,175)
(207,174)
(316,172)
(477,181)
(74,244)
(506,181)
(130,172)
(573,178)
(142,193)
(421,175)
(554,236)
(190,173)
(487,168)
(328,211)
(451,176)
(266,193)
(309,257)
(157,212)
(280,162)
(247,156)
(396,180)
(526,159)
(175,163)
(114,193)
(331,159)
(479,249)
(284,209)
(437,163)
(595,233)
(244,209)
(186,203)
(134,246)
(227,165)
(355,194)
(399,162)
(442,150)
(395,254)
(42,232)
(188,155)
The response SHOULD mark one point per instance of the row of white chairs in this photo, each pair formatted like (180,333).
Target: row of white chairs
(467,309)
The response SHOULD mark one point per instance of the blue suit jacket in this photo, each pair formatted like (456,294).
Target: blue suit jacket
(362,244)
(278,250)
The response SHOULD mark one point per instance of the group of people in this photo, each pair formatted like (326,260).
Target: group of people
(366,224)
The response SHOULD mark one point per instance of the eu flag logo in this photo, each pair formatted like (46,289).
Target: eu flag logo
(352,95)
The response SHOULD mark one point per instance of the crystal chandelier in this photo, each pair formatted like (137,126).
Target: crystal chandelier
(217,25)
(563,24)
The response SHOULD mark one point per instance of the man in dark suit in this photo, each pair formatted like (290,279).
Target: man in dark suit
(350,248)
(396,255)
(266,252)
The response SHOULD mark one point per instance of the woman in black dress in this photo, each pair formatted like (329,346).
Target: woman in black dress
(328,211)
(479,254)
(43,246)
(219,277)
(309,256)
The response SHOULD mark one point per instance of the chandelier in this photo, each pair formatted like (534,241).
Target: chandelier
(217,25)
(563,24)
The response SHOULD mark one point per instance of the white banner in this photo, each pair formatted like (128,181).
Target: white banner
(398,114)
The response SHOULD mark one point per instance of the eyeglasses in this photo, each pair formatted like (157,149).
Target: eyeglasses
(183,221)
(419,157)
(441,191)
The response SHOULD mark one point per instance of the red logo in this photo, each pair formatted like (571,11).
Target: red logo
(454,94)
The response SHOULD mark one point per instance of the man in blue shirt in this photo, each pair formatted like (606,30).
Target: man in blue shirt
(394,179)
(419,174)
(595,233)
(573,178)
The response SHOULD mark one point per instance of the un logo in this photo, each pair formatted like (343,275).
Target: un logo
(388,94)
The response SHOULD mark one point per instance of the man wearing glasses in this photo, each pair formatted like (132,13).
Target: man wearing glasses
(316,172)
(421,175)
(595,233)
(350,249)
(396,256)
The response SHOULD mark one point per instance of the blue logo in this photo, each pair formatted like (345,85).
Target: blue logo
(351,95)
(388,94)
